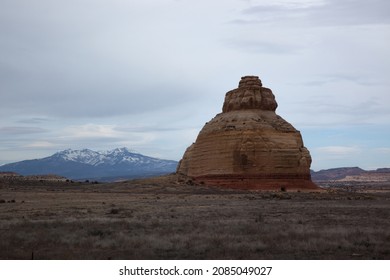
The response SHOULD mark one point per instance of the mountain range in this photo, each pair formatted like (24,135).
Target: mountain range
(120,163)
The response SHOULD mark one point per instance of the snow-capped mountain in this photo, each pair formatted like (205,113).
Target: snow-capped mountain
(93,165)
(82,156)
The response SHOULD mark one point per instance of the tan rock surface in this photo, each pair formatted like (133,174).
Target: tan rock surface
(248,145)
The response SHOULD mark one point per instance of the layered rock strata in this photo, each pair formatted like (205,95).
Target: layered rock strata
(248,145)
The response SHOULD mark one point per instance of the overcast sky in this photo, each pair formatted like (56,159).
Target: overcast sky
(148,74)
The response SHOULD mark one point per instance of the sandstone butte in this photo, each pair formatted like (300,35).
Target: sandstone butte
(248,146)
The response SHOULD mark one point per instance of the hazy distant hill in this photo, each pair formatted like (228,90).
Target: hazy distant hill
(119,163)
(348,172)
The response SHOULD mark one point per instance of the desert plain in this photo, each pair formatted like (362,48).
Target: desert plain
(172,218)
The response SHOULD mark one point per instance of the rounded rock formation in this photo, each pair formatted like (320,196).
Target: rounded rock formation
(248,145)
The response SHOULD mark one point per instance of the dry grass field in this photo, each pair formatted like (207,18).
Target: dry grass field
(163,219)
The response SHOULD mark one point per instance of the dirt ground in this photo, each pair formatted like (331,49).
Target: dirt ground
(163,219)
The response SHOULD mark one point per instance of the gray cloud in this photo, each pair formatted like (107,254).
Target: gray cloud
(336,78)
(351,12)
(330,12)
(33,120)
(263,46)
(18,130)
(86,59)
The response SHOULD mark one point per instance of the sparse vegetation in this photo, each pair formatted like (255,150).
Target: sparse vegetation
(162,219)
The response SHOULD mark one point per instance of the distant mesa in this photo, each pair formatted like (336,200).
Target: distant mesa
(248,146)
(9,175)
(44,177)
(351,174)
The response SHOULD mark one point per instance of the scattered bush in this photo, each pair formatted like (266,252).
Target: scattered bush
(98,232)
(114,211)
(259,218)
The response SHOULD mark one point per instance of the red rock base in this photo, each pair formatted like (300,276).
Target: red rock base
(271,182)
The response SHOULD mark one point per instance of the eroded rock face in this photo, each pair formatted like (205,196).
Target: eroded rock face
(248,145)
(249,95)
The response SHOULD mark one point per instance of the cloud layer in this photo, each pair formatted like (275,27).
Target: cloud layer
(148,74)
